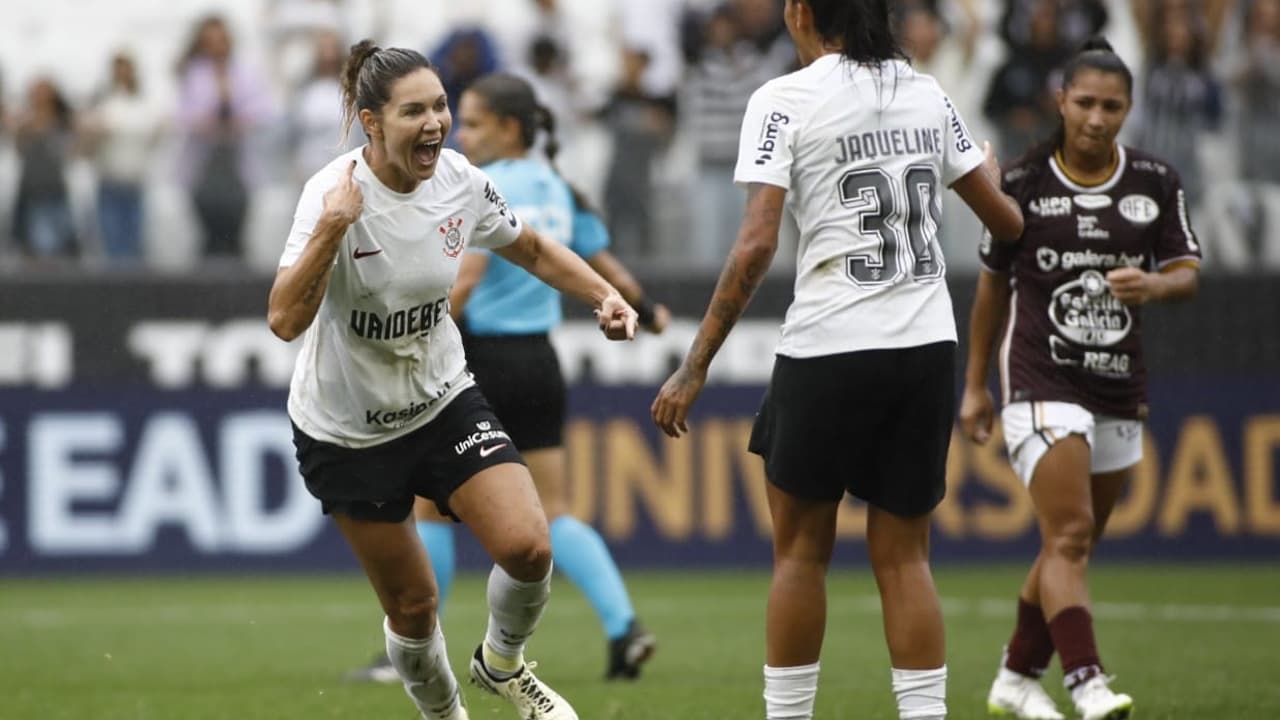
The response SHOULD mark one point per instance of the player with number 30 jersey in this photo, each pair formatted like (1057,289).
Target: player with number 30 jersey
(856,147)
(865,160)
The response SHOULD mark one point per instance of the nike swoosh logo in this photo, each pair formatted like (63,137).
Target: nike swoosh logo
(486,452)
(359,254)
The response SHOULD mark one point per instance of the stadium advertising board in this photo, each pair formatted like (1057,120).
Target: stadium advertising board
(117,479)
(153,437)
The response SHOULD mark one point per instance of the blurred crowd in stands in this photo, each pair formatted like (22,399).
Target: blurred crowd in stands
(183,139)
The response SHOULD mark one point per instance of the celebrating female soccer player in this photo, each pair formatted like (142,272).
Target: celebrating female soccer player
(506,316)
(1107,231)
(383,406)
(862,394)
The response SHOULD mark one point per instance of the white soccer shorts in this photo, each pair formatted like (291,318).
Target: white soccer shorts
(1031,428)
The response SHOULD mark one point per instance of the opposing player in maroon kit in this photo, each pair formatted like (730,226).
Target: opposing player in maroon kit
(1106,232)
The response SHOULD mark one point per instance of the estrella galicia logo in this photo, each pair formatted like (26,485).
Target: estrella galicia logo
(452,232)
(1085,313)
(770,129)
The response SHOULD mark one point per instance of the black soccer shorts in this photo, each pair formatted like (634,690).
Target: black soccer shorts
(379,483)
(874,423)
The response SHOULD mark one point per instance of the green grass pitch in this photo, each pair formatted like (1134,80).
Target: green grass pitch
(1186,642)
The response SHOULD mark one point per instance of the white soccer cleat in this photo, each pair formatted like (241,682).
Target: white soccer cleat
(1095,700)
(532,698)
(1017,695)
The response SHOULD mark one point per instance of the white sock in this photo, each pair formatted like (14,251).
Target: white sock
(423,665)
(514,610)
(922,694)
(1009,677)
(789,692)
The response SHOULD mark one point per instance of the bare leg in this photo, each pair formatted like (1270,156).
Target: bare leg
(804,533)
(899,548)
(1106,489)
(398,569)
(501,507)
(1061,491)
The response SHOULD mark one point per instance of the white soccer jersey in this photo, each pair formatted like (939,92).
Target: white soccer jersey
(383,356)
(863,154)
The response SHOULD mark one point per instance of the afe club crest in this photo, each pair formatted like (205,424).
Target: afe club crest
(452,232)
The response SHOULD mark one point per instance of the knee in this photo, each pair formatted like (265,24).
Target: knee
(527,559)
(895,542)
(1072,541)
(898,551)
(799,551)
(412,612)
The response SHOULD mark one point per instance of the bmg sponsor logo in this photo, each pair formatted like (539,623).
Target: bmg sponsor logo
(963,142)
(770,129)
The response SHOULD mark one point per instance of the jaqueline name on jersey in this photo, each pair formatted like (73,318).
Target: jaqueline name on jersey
(883,143)
(420,320)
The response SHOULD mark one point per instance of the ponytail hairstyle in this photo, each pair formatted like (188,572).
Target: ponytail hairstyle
(509,96)
(369,73)
(862,26)
(1096,54)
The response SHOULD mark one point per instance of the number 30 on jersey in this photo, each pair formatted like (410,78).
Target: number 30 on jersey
(882,216)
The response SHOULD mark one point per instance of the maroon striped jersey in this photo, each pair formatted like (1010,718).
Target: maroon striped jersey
(1067,338)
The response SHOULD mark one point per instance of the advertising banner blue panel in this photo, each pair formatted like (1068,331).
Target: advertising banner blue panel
(97,479)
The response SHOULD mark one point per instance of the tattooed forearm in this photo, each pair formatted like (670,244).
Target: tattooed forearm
(299,289)
(752,273)
(742,274)
(737,283)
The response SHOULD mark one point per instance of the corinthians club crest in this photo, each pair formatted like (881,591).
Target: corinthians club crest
(452,232)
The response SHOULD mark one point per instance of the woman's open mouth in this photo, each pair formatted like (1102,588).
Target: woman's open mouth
(425,154)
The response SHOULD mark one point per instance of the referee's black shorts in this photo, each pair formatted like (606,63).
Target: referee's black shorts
(873,423)
(520,376)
